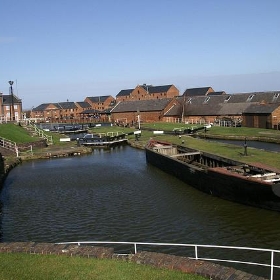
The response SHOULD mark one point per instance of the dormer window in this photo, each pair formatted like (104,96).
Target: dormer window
(206,99)
(228,98)
(275,96)
(250,97)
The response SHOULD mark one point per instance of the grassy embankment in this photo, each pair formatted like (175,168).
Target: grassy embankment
(27,266)
(19,134)
(227,150)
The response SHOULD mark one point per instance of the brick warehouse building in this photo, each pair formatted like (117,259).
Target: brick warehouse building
(257,109)
(147,92)
(150,104)
(131,112)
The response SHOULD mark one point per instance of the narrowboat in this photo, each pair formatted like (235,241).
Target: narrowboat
(251,184)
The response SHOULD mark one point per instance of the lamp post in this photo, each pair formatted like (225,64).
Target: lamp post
(138,119)
(245,147)
(12,101)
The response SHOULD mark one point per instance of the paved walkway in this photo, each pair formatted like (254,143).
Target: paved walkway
(184,264)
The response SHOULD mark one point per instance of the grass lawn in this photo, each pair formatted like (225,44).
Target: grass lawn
(16,133)
(26,266)
(19,134)
(219,130)
(226,150)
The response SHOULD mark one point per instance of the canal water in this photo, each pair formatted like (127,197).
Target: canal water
(114,195)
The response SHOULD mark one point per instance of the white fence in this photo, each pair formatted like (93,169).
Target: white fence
(196,255)
(8,145)
(40,132)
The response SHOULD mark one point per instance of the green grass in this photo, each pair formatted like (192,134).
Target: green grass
(226,150)
(167,126)
(244,132)
(15,133)
(218,130)
(26,266)
(19,134)
(115,129)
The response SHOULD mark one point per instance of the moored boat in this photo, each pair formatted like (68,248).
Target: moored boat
(96,140)
(250,184)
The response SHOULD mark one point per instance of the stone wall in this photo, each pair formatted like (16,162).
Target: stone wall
(36,144)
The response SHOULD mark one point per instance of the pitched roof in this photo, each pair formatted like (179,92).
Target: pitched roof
(7,99)
(98,99)
(175,110)
(90,111)
(60,105)
(141,105)
(156,89)
(261,108)
(41,107)
(196,91)
(216,93)
(83,104)
(66,105)
(233,108)
(227,104)
(267,96)
(124,92)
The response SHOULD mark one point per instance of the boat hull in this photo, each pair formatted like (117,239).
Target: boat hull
(219,184)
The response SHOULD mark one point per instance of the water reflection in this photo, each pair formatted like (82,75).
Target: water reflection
(114,195)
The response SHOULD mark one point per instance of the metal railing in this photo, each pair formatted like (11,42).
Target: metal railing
(41,133)
(196,256)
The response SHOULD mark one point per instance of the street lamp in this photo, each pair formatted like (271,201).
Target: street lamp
(12,101)
(138,119)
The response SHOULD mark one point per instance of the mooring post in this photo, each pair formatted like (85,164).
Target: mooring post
(245,147)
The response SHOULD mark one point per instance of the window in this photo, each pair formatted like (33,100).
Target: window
(206,99)
(275,96)
(227,99)
(250,97)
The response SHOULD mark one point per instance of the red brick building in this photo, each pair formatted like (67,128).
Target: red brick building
(257,109)
(10,107)
(147,92)
(131,112)
(101,103)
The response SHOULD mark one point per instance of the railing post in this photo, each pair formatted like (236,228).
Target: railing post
(16,150)
(196,256)
(135,248)
(271,265)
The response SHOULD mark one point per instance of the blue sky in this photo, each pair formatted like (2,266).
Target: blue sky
(59,50)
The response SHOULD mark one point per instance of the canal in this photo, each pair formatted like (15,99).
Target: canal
(114,195)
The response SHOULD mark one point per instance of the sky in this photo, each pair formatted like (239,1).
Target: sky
(66,50)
